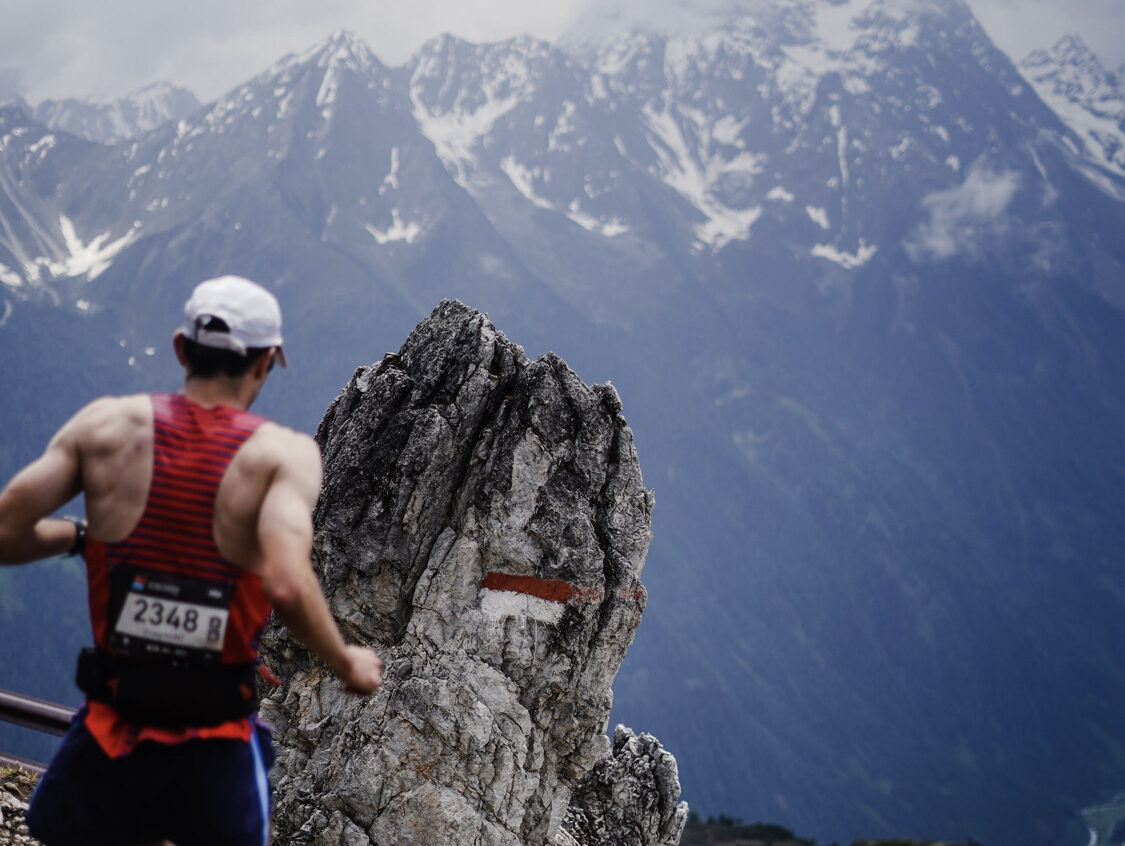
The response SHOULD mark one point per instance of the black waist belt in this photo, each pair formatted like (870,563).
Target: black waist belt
(166,695)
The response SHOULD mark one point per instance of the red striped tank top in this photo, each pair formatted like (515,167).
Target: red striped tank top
(192,448)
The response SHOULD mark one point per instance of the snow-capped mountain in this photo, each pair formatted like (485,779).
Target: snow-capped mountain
(1087,97)
(859,282)
(121,119)
(541,141)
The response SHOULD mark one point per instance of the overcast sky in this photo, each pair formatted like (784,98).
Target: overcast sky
(103,49)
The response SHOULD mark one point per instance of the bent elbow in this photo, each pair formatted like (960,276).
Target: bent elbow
(282,596)
(12,546)
(285,591)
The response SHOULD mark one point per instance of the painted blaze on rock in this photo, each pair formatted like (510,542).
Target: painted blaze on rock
(484,524)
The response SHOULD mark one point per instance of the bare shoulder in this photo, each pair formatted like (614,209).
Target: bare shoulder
(106,420)
(136,406)
(285,452)
(284,442)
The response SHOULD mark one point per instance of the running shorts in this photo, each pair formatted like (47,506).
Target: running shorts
(196,793)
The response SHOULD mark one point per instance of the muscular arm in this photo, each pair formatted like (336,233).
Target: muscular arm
(285,534)
(43,486)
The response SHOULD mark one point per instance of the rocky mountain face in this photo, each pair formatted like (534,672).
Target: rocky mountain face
(484,524)
(118,120)
(860,281)
(1085,95)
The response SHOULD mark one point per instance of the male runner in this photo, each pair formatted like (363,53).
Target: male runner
(199,521)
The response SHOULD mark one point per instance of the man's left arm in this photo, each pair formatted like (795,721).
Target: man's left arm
(48,483)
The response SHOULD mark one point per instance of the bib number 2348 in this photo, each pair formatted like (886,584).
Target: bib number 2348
(173,616)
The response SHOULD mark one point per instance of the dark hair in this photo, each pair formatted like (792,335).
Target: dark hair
(207,362)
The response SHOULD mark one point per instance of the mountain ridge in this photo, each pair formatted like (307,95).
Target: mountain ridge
(1090,99)
(117,120)
(454,131)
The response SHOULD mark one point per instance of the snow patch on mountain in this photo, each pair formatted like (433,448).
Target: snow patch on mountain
(818,216)
(834,24)
(326,94)
(344,53)
(89,259)
(459,91)
(728,130)
(391,179)
(564,128)
(397,231)
(457,133)
(856,40)
(849,261)
(223,114)
(725,225)
(42,147)
(619,54)
(841,142)
(10,278)
(803,65)
(608,229)
(830,50)
(76,258)
(696,175)
(285,101)
(523,179)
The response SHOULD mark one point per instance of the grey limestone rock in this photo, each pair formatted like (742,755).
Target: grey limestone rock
(630,798)
(16,786)
(483,523)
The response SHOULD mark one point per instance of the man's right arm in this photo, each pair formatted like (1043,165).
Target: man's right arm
(285,535)
(48,483)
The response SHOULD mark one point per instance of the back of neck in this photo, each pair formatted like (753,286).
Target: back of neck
(209,393)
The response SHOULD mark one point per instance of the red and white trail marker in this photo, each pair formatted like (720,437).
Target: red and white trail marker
(505,595)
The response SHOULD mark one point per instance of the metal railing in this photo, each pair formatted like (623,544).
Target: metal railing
(36,714)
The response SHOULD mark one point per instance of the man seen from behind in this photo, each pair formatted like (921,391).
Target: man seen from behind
(200,521)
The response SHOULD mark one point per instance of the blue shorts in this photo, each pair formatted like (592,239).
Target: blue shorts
(197,793)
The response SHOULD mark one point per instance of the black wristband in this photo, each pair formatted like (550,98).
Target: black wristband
(79,545)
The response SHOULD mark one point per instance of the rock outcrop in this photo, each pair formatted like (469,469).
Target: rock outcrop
(630,798)
(483,523)
(16,787)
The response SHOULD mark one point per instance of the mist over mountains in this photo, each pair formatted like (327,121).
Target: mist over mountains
(858,280)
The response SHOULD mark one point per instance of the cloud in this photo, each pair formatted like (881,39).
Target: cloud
(964,218)
(10,84)
(105,49)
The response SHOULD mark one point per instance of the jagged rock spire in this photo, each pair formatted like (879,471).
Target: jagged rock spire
(484,524)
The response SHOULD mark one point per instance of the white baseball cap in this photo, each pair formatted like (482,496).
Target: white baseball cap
(250,315)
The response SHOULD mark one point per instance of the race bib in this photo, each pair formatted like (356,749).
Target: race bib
(171,616)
